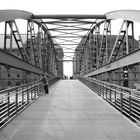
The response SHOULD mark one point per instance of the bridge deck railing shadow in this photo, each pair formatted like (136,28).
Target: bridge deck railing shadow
(126,100)
(16,99)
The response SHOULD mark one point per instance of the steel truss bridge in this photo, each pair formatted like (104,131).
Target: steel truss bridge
(104,51)
(76,36)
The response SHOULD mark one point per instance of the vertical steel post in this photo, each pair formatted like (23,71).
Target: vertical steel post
(110,94)
(130,106)
(5,36)
(126,36)
(27,94)
(132,28)
(115,95)
(8,101)
(103,90)
(106,91)
(23,97)
(17,101)
(121,96)
(31,92)
(100,88)
(11,37)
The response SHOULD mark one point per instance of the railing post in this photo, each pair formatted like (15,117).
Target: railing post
(0,112)
(23,97)
(121,102)
(102,91)
(115,96)
(35,89)
(31,92)
(28,94)
(106,91)
(38,88)
(99,89)
(34,93)
(130,105)
(8,102)
(16,101)
(110,93)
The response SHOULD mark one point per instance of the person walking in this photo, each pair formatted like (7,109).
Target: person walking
(45,84)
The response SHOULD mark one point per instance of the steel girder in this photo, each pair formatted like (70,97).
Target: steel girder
(69,27)
(123,38)
(130,15)
(10,60)
(69,17)
(127,60)
(122,14)
(7,15)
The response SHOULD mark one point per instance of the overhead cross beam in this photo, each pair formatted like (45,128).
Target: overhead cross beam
(70,27)
(69,17)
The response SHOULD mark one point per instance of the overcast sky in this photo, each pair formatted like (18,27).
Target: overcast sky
(70,6)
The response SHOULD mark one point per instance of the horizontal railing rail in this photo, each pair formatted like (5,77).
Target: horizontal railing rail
(16,99)
(126,100)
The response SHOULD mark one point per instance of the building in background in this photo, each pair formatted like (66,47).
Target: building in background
(10,77)
(88,59)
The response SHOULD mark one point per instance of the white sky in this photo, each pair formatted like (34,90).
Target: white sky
(70,7)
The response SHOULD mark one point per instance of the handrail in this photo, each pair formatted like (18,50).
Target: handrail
(126,100)
(23,85)
(115,85)
(15,87)
(16,99)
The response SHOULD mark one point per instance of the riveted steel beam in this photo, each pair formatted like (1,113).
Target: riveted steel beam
(10,60)
(72,29)
(69,17)
(131,15)
(6,15)
(68,36)
(69,22)
(131,58)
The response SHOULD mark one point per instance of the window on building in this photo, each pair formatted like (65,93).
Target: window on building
(9,75)
(9,83)
(18,75)
(17,83)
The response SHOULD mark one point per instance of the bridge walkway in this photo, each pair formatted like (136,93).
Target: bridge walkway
(70,112)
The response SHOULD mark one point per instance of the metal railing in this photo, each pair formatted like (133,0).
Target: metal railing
(126,100)
(16,99)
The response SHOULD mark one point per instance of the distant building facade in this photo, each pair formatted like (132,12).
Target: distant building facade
(10,77)
(88,61)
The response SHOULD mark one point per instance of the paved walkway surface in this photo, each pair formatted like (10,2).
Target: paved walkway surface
(70,112)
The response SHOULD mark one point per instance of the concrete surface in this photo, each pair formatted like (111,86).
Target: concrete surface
(70,112)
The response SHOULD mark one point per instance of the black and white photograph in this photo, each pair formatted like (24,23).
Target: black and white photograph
(69,70)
